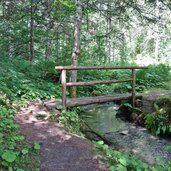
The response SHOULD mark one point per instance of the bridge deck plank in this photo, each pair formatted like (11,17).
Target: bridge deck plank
(89,100)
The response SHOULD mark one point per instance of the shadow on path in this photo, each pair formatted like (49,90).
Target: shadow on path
(60,151)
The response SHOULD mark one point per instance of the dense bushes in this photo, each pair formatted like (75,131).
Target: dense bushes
(15,153)
(159,121)
(120,161)
(23,81)
(153,77)
(20,82)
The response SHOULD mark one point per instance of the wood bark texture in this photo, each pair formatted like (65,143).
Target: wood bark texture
(97,67)
(31,31)
(76,48)
(97,82)
(133,88)
(90,100)
(63,80)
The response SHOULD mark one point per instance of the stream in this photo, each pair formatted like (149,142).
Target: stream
(125,136)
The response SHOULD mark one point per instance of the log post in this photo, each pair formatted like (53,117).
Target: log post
(63,81)
(133,88)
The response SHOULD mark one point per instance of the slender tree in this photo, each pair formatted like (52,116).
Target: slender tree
(76,48)
(157,34)
(109,27)
(31,30)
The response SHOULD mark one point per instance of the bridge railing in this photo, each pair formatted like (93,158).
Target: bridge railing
(66,84)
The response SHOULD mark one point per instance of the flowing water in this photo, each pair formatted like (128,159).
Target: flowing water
(103,120)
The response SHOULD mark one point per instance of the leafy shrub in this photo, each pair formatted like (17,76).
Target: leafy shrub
(15,153)
(20,82)
(120,161)
(94,90)
(160,120)
(17,83)
(71,120)
(154,76)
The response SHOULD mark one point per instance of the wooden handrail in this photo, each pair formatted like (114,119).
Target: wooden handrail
(70,84)
(97,67)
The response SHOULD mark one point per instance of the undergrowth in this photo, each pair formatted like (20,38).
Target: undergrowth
(159,121)
(15,153)
(70,119)
(20,82)
(121,161)
(156,76)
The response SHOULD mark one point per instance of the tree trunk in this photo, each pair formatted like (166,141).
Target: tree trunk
(3,9)
(48,28)
(109,26)
(157,34)
(76,48)
(31,31)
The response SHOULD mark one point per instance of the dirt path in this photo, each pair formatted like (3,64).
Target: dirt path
(60,151)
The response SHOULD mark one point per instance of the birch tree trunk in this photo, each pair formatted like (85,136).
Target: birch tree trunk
(76,48)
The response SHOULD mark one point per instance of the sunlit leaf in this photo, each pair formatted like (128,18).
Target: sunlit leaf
(9,156)
(20,170)
(1,135)
(112,168)
(25,151)
(121,168)
(157,169)
(123,161)
(36,146)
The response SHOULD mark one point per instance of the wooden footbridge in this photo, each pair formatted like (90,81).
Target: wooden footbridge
(97,99)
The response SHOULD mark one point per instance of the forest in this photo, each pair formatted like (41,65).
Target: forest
(38,35)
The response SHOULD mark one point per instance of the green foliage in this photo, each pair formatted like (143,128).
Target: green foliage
(154,76)
(15,153)
(159,122)
(66,3)
(95,90)
(62,9)
(17,86)
(71,120)
(168,148)
(120,161)
(9,156)
(36,146)
(150,122)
